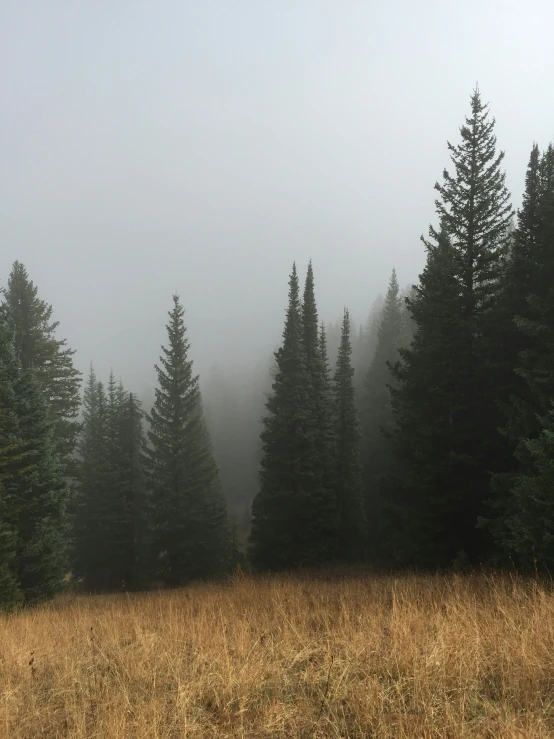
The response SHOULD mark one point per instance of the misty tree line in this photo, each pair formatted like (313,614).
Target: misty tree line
(104,502)
(430,442)
(235,407)
(455,459)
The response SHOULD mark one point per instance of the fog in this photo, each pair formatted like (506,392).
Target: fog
(201,147)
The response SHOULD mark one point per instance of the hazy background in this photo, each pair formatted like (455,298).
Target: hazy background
(149,147)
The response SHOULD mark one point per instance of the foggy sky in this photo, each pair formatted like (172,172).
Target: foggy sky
(201,146)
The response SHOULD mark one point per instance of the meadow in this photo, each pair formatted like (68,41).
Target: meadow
(294,656)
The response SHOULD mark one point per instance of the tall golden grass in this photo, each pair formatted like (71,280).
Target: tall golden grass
(365,656)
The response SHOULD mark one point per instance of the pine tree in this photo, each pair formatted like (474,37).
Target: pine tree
(358,352)
(348,476)
(131,514)
(536,358)
(377,416)
(39,496)
(91,555)
(422,400)
(116,515)
(10,592)
(109,522)
(11,460)
(532,523)
(522,278)
(320,413)
(328,429)
(38,349)
(447,419)
(529,297)
(190,537)
(292,523)
(33,493)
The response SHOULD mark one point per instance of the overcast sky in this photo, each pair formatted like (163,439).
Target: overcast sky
(201,146)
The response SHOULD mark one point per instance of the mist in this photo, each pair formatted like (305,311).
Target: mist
(200,148)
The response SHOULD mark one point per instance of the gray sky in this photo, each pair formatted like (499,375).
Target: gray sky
(148,147)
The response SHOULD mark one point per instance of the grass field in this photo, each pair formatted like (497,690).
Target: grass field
(365,656)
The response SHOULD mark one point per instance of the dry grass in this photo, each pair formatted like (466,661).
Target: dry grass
(286,657)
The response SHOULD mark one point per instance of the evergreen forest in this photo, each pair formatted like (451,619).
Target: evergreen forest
(421,437)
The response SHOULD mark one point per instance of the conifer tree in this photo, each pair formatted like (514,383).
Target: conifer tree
(327,425)
(320,411)
(10,592)
(39,496)
(358,350)
(447,419)
(92,557)
(110,523)
(43,491)
(528,531)
(424,434)
(292,523)
(189,536)
(10,461)
(33,494)
(536,323)
(117,514)
(130,528)
(310,329)
(529,301)
(348,476)
(377,416)
(531,526)
(38,349)
(522,278)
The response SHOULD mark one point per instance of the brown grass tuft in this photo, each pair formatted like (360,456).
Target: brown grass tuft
(404,657)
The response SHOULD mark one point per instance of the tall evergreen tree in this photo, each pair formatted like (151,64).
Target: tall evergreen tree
(116,514)
(38,349)
(348,476)
(110,521)
(38,497)
(530,535)
(320,419)
(447,441)
(11,459)
(327,425)
(190,537)
(131,522)
(521,277)
(91,555)
(424,434)
(292,522)
(10,591)
(377,416)
(528,344)
(33,493)
(536,322)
